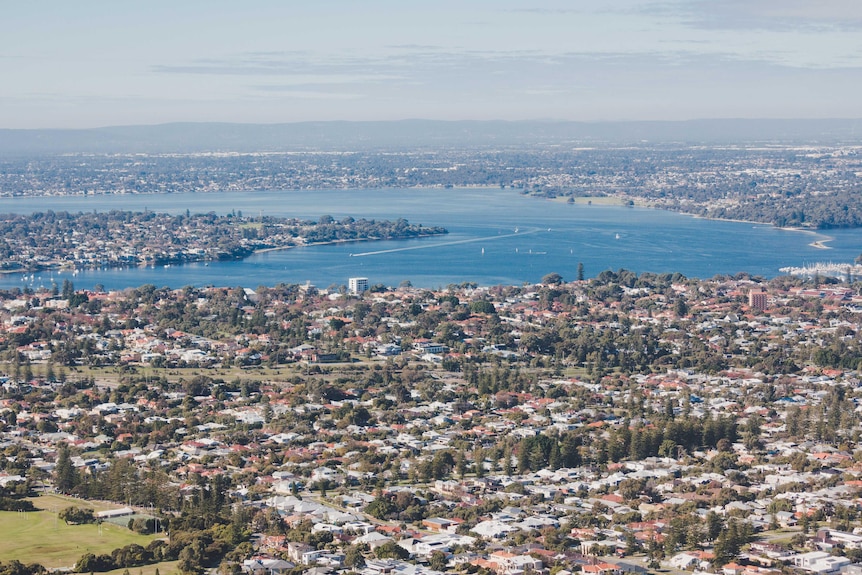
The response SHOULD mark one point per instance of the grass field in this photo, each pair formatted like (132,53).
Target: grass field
(111,376)
(40,537)
(166,568)
(58,502)
(124,520)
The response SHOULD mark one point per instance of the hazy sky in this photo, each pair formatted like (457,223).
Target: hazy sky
(96,63)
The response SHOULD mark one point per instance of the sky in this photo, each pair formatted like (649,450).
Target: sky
(95,63)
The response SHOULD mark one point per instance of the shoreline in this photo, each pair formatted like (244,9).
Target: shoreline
(818,244)
(618,201)
(60,270)
(335,242)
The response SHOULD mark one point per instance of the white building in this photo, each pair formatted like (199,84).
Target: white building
(357,285)
(820,562)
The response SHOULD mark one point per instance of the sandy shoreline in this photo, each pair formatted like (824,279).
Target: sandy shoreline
(818,244)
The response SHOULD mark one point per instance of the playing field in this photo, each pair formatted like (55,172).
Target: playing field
(40,537)
(166,568)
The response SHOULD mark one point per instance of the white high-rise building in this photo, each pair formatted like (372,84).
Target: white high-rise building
(357,285)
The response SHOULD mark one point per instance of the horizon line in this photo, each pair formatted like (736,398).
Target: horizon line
(548,121)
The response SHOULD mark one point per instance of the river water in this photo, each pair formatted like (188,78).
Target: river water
(496,237)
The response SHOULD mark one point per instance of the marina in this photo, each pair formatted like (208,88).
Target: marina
(843,271)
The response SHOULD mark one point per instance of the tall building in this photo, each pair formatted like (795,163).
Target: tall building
(357,285)
(757,299)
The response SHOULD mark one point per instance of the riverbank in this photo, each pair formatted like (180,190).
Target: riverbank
(349,241)
(40,242)
(653,240)
(73,270)
(818,244)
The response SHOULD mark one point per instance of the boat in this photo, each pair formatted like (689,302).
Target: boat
(617,236)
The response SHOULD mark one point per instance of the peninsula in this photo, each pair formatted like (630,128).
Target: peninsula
(61,240)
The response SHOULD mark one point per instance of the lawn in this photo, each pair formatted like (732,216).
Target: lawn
(40,537)
(58,502)
(166,568)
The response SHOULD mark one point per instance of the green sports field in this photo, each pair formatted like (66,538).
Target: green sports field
(165,568)
(40,537)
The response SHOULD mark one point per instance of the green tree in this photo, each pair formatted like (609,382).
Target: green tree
(680,309)
(353,557)
(76,515)
(714,525)
(552,278)
(391,550)
(65,476)
(189,561)
(730,542)
(437,561)
(461,464)
(483,306)
(381,507)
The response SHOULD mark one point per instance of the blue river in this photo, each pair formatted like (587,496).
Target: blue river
(496,237)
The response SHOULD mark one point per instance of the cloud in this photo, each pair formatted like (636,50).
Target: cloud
(292,92)
(424,81)
(425,47)
(550,11)
(778,15)
(540,91)
(303,69)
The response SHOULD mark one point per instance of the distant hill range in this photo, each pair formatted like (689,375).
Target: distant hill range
(221,137)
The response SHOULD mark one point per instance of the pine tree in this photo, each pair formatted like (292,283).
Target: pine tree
(479,462)
(728,543)
(554,457)
(461,464)
(680,309)
(64,472)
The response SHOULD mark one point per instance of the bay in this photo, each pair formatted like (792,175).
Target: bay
(496,237)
